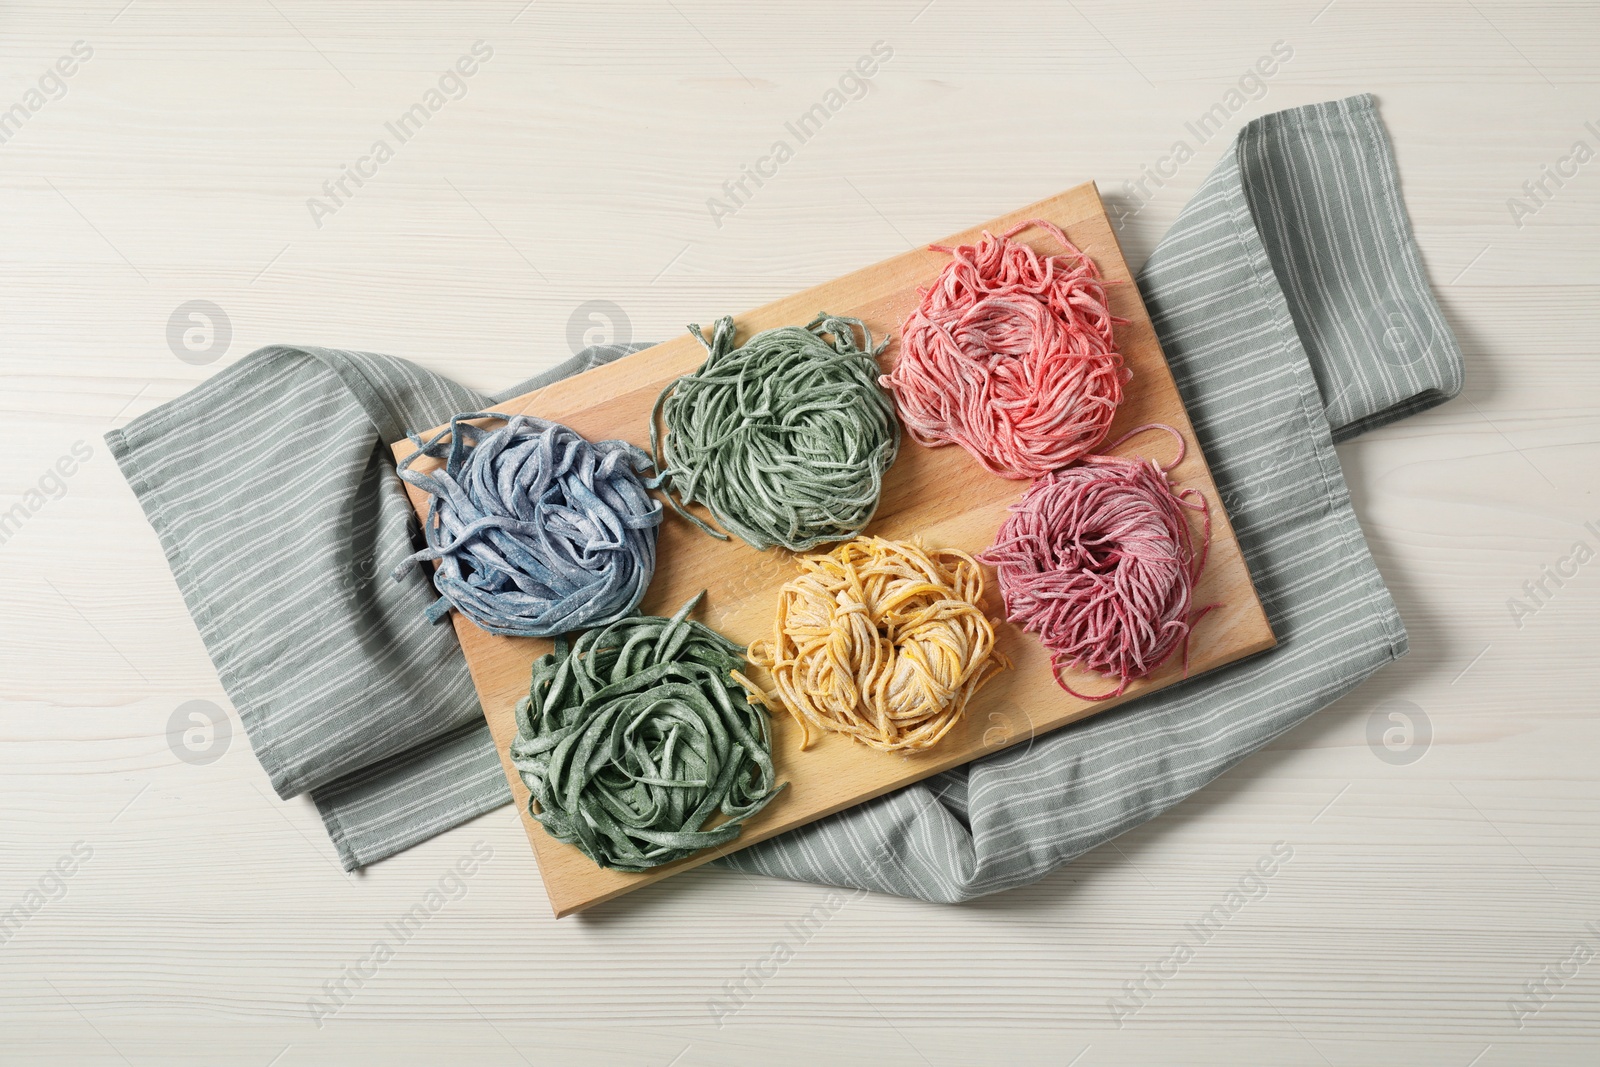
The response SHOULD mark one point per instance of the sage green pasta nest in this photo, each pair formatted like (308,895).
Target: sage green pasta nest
(635,736)
(784,439)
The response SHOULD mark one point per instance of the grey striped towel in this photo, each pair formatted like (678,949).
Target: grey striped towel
(1293,308)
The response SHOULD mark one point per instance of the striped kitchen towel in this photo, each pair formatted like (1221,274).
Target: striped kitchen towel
(345,689)
(1292,305)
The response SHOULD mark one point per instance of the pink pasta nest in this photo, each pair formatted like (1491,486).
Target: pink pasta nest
(1010,355)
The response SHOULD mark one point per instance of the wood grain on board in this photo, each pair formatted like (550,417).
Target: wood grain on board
(939,495)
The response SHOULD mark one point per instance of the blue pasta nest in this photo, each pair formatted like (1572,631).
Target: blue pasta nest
(536,530)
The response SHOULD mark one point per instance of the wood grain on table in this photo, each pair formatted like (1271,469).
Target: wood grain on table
(1422,895)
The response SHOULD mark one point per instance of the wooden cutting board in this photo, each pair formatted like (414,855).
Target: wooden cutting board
(940,495)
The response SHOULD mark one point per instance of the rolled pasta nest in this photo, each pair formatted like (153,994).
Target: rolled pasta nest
(1011,355)
(881,641)
(537,531)
(783,439)
(1099,561)
(634,738)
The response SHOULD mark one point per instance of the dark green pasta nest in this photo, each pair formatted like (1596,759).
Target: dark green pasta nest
(785,439)
(633,738)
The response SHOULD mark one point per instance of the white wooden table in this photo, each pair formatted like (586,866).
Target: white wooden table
(178,162)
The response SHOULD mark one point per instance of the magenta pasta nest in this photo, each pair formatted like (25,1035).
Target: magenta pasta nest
(1100,561)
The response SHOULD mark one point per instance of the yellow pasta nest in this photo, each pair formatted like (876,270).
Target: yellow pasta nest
(880,640)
